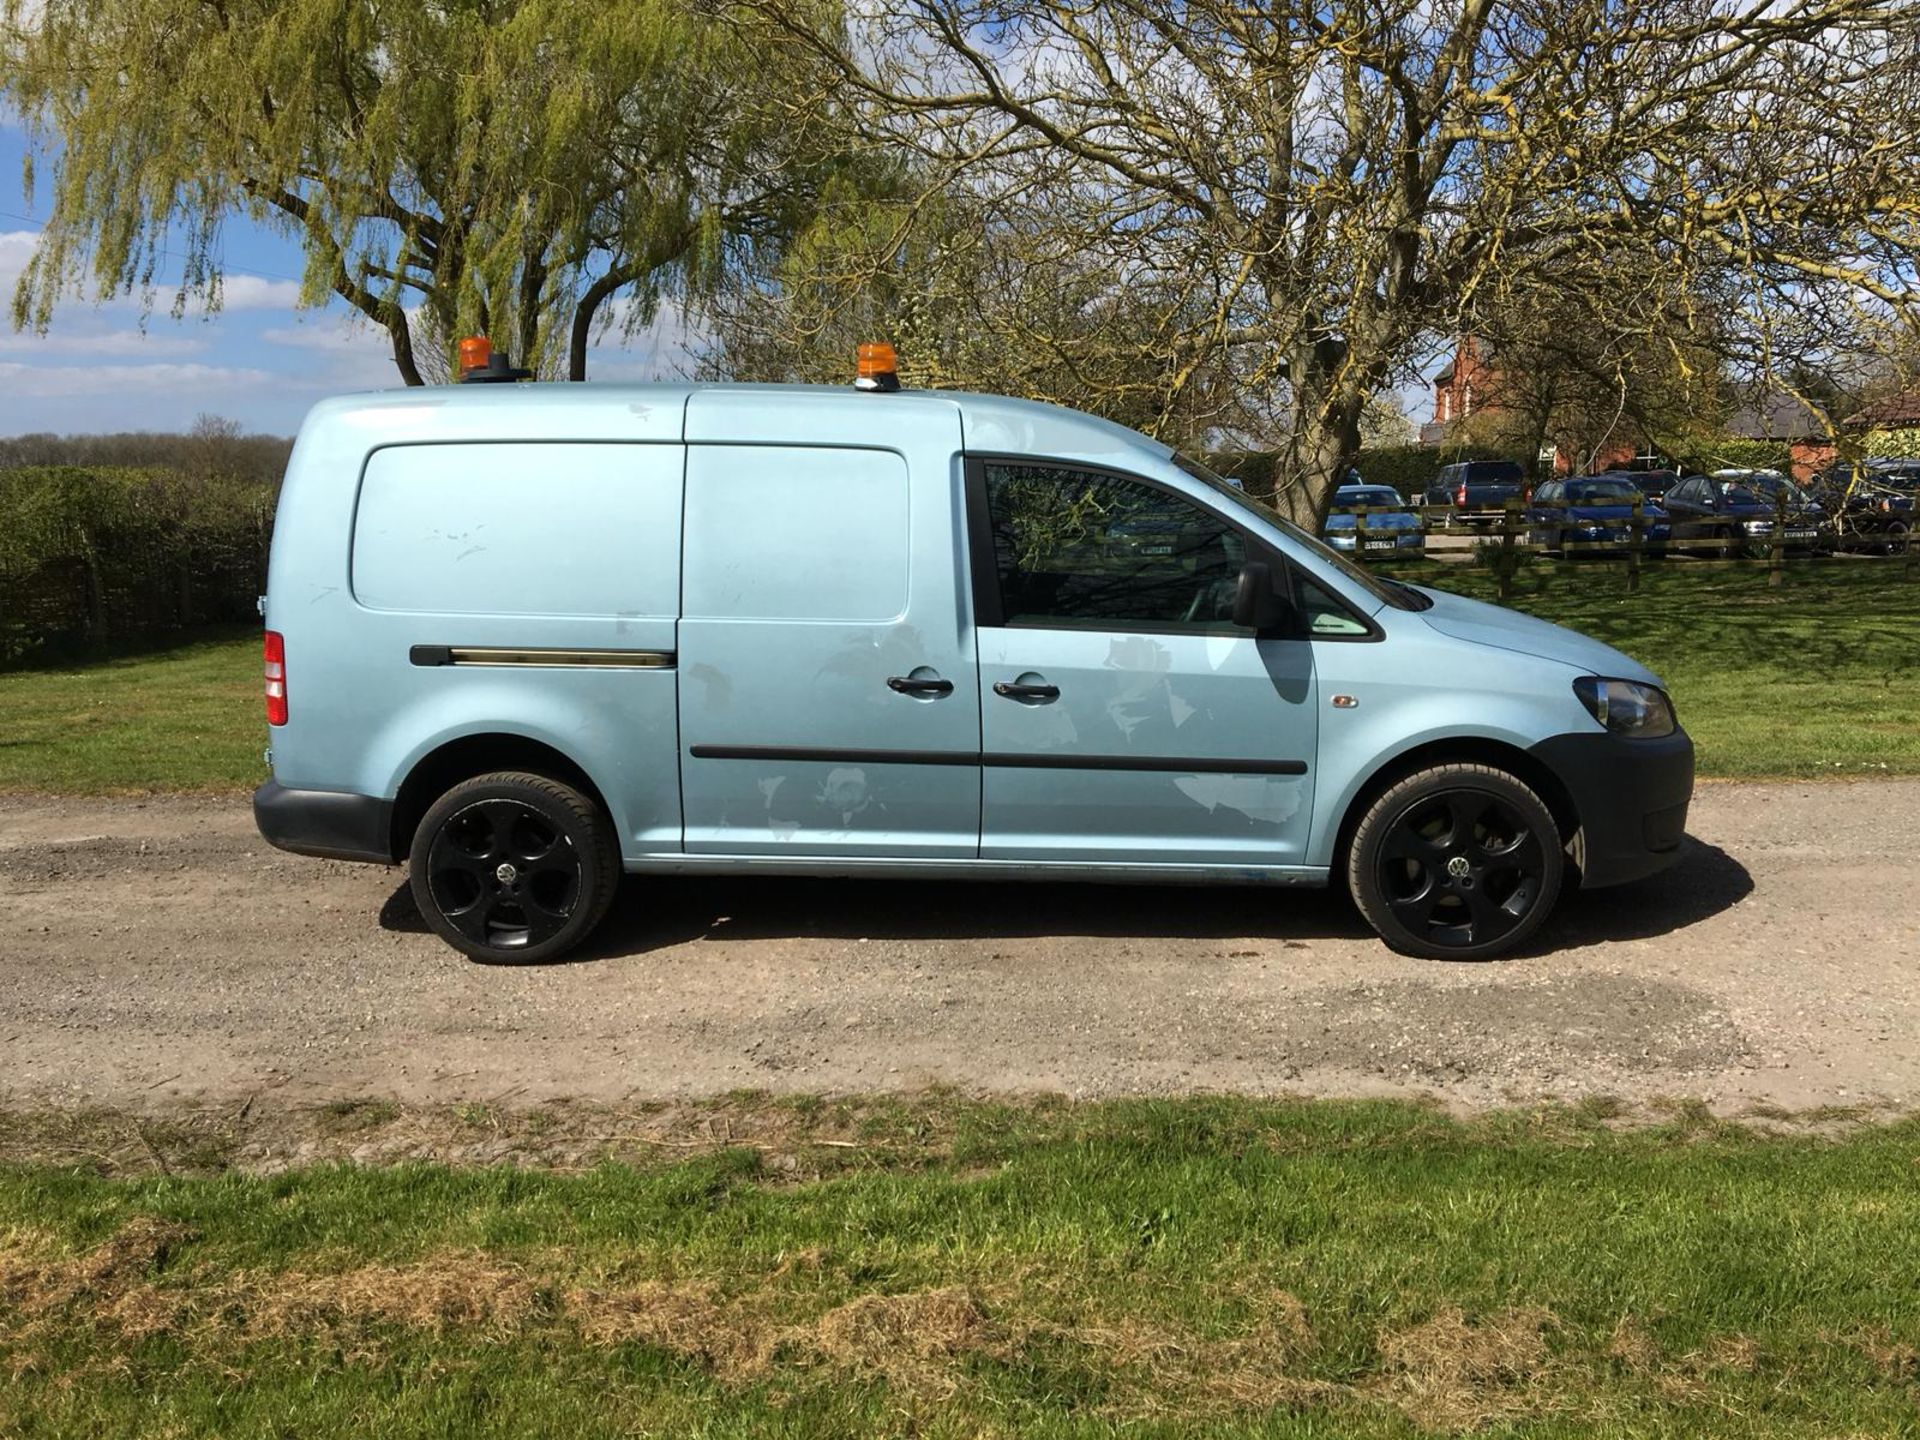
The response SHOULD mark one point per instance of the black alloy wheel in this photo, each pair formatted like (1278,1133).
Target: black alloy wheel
(513,869)
(1456,862)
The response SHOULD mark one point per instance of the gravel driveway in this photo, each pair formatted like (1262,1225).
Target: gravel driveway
(158,952)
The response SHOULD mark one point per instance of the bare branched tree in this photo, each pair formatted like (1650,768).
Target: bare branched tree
(1297,199)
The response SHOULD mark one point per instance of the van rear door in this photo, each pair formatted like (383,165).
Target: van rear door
(829,700)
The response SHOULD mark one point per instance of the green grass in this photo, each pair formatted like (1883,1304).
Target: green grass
(186,718)
(1821,677)
(1214,1266)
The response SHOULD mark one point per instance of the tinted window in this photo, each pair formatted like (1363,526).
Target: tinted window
(1374,495)
(1606,492)
(1548,493)
(1075,548)
(1491,472)
(1388,592)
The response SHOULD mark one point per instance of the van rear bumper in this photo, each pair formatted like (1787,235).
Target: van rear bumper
(1631,796)
(328,823)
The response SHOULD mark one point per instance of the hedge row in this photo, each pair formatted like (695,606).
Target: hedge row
(92,557)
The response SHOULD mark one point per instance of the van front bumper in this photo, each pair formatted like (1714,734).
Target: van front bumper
(328,823)
(1631,797)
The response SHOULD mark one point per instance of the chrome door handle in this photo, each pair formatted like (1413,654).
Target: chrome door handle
(909,685)
(1014,690)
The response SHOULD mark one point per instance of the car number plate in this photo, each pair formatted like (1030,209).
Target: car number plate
(1381,544)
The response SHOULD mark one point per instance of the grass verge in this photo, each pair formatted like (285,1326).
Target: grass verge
(1820,677)
(943,1267)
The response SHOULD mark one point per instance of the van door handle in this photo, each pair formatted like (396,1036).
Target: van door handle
(1014,690)
(913,685)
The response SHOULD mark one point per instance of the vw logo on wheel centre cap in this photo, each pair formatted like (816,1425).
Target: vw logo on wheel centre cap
(1456,867)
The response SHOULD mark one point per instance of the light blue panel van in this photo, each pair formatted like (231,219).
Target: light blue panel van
(523,638)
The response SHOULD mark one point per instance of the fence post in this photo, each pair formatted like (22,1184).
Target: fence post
(1777,552)
(1360,532)
(1636,531)
(1509,523)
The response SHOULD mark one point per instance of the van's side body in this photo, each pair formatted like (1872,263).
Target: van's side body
(763,627)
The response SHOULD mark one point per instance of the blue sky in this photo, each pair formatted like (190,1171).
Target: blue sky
(260,360)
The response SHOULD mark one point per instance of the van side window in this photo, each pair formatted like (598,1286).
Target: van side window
(1075,548)
(1325,617)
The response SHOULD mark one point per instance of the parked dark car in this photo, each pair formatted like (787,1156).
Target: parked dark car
(1653,484)
(1733,514)
(1472,493)
(1390,525)
(1592,510)
(1874,507)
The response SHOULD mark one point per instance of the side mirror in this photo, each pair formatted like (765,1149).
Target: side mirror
(1257,605)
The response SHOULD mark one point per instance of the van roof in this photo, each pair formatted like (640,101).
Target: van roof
(659,411)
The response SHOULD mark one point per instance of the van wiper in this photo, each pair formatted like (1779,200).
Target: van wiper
(1414,599)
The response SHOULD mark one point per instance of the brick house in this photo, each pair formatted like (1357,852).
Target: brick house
(1469,385)
(1781,418)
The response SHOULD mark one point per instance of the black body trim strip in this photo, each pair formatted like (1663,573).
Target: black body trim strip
(1202,765)
(842,757)
(1206,765)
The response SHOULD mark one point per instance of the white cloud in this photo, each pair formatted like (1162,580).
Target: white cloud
(97,381)
(256,292)
(80,340)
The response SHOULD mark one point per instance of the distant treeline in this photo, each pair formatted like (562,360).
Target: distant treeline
(213,447)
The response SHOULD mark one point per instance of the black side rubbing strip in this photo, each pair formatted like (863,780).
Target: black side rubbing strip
(431,655)
(1187,766)
(805,753)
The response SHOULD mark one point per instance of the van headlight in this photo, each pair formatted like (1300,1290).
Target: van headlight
(1640,712)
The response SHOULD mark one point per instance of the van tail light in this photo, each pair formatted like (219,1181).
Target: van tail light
(274,652)
(1460,495)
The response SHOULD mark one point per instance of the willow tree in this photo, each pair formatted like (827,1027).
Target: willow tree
(1321,189)
(505,166)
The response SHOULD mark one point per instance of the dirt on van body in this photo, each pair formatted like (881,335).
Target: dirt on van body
(158,952)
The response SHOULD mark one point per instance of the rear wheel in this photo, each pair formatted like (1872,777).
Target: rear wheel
(1456,862)
(514,868)
(1898,538)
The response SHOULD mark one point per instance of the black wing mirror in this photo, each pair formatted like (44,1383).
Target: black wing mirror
(1258,604)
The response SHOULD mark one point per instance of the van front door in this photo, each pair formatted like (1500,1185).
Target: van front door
(828,688)
(1124,717)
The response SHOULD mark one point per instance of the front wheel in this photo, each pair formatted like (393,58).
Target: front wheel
(514,869)
(1456,862)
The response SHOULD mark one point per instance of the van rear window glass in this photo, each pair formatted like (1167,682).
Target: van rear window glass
(789,532)
(520,529)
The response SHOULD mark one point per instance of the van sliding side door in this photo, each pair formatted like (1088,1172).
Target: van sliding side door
(829,701)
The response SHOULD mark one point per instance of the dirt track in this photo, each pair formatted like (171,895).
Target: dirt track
(157,952)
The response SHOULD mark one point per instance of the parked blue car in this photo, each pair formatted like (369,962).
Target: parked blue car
(1590,511)
(1390,526)
(524,639)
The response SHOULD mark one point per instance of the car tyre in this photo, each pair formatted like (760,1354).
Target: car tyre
(1456,862)
(514,868)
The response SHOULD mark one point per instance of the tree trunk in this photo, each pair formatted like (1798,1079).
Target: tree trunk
(1328,403)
